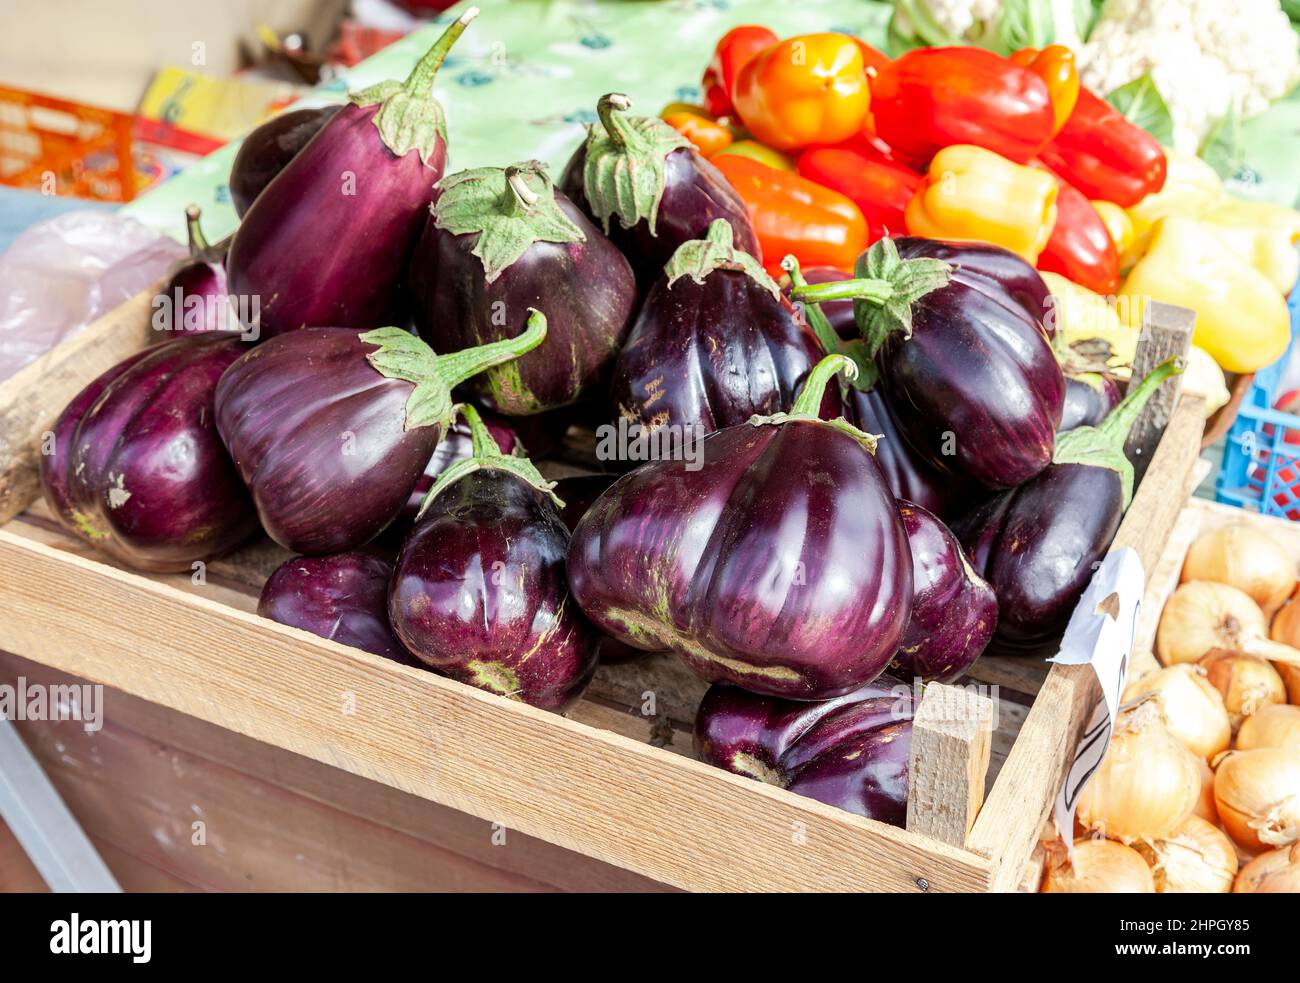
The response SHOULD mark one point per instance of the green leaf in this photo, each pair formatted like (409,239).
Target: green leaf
(1223,147)
(1141,103)
(913,25)
(1024,24)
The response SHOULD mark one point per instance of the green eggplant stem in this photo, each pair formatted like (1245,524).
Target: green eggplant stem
(198,241)
(456,367)
(521,197)
(808,403)
(816,317)
(1120,420)
(870,290)
(610,104)
(484,444)
(420,81)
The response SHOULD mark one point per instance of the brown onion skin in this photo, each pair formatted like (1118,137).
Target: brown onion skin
(1091,858)
(1274,872)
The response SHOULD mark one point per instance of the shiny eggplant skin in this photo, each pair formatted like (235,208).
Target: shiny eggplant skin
(318,436)
(711,355)
(479,593)
(268,148)
(195,297)
(318,248)
(343,597)
(586,289)
(695,193)
(850,752)
(779,564)
(954,611)
(1086,405)
(976,389)
(137,468)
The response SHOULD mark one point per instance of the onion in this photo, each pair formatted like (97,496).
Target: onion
(1205,804)
(1195,859)
(1100,867)
(1192,708)
(1244,558)
(1257,794)
(1275,872)
(1277,725)
(1291,677)
(1286,629)
(1147,784)
(1201,616)
(1247,684)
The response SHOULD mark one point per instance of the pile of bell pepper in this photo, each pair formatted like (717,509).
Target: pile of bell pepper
(832,145)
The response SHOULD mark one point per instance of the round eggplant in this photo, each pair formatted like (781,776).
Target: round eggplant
(1089,397)
(137,468)
(778,564)
(850,752)
(332,428)
(195,297)
(642,172)
(480,593)
(328,241)
(268,148)
(500,241)
(954,611)
(342,597)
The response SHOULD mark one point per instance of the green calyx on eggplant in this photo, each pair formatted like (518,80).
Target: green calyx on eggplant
(714,344)
(1038,545)
(964,360)
(850,752)
(776,562)
(499,241)
(136,468)
(195,297)
(329,240)
(331,428)
(649,188)
(479,592)
(267,148)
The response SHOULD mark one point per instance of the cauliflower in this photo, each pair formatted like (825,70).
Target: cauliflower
(993,24)
(1205,56)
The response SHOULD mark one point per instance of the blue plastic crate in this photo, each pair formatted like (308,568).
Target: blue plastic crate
(1261,462)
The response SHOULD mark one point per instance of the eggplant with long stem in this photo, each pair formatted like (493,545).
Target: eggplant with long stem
(777,562)
(331,428)
(268,148)
(328,241)
(499,241)
(195,297)
(479,592)
(1038,545)
(650,190)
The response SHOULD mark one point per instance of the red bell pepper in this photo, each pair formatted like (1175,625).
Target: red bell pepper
(1081,248)
(932,98)
(733,50)
(880,188)
(1104,155)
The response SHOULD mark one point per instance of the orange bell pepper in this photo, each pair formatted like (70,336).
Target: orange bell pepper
(733,50)
(805,90)
(791,214)
(1055,66)
(707,136)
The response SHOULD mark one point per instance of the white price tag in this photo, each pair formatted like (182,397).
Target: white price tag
(1100,634)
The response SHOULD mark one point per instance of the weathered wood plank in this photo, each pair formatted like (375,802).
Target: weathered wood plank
(947,760)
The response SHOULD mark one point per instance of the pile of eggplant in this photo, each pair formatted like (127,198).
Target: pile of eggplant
(875,492)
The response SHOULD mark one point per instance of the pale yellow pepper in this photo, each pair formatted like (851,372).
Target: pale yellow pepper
(1241,318)
(973,193)
(1117,223)
(1080,315)
(1189,183)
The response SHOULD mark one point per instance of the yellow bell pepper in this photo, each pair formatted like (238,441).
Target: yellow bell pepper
(1189,183)
(1241,318)
(1264,234)
(1117,222)
(973,193)
(1080,315)
(1204,378)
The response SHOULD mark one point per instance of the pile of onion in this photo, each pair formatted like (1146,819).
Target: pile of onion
(1245,558)
(1247,684)
(1275,872)
(1286,629)
(1202,616)
(1257,797)
(1192,708)
(1100,867)
(1196,858)
(1277,725)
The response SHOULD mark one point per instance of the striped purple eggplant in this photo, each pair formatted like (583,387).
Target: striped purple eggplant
(954,611)
(500,241)
(650,190)
(1038,545)
(328,241)
(267,148)
(137,469)
(479,592)
(850,752)
(964,361)
(331,428)
(194,298)
(715,344)
(343,597)
(776,562)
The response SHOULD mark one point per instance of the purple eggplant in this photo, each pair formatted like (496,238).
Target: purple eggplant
(1089,396)
(964,361)
(954,611)
(480,593)
(267,148)
(194,299)
(715,344)
(1038,545)
(642,173)
(778,562)
(850,752)
(137,468)
(331,428)
(342,597)
(499,241)
(327,243)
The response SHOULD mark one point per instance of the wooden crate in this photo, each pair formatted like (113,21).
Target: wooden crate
(616,790)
